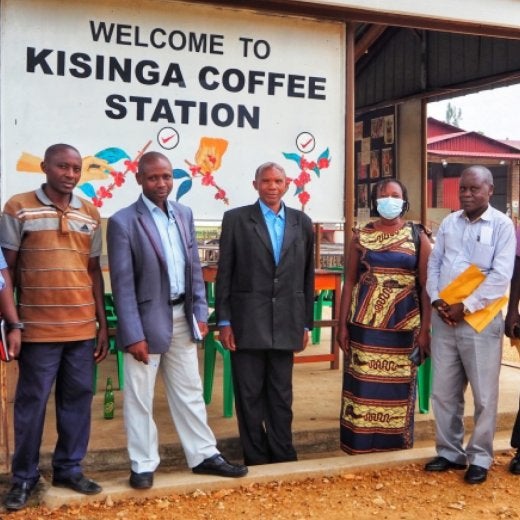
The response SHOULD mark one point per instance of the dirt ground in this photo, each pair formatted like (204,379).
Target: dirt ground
(397,493)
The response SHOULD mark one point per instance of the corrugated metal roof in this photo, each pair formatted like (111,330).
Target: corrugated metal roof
(408,63)
(470,142)
(465,153)
(511,142)
(465,144)
(436,127)
(444,137)
(405,53)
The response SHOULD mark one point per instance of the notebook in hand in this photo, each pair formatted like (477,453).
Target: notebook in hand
(4,353)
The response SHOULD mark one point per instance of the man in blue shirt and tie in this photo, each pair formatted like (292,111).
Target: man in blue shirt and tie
(264,305)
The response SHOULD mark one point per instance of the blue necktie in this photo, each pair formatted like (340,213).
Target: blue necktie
(278,232)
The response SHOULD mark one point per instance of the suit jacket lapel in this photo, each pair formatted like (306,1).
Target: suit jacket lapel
(290,233)
(261,227)
(147,222)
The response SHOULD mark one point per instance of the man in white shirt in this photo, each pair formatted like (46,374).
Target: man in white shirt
(161,308)
(477,234)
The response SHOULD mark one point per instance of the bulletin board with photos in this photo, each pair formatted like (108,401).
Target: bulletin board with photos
(375,156)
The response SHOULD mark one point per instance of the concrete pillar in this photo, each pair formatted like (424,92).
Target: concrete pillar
(409,153)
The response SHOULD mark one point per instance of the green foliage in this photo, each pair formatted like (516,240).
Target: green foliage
(205,233)
(453,115)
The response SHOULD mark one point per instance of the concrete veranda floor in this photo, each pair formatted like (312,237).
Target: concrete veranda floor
(317,391)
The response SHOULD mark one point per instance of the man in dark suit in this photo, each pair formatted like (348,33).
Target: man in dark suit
(161,308)
(264,304)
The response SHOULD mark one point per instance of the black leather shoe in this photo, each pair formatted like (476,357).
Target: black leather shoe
(141,480)
(78,483)
(514,465)
(218,465)
(442,464)
(475,474)
(18,496)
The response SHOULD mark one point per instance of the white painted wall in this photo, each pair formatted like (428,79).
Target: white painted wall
(285,73)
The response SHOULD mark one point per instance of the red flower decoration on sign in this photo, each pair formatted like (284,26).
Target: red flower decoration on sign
(220,195)
(131,166)
(302,179)
(119,177)
(195,170)
(304,197)
(207,180)
(105,192)
(208,160)
(324,162)
(306,167)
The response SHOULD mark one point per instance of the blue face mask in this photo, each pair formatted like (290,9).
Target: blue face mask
(390,207)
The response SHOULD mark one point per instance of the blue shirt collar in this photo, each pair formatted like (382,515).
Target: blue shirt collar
(152,206)
(266,210)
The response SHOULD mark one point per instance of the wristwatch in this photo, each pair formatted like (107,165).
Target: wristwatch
(16,325)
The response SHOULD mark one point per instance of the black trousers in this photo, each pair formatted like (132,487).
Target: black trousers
(70,367)
(515,436)
(263,400)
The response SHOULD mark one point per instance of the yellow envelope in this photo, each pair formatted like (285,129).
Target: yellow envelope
(462,287)
(479,320)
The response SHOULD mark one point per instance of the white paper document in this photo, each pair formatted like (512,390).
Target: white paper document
(196,330)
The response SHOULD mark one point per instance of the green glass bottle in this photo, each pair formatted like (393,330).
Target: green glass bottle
(108,403)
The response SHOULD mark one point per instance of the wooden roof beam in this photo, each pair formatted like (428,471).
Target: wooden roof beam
(347,14)
(367,40)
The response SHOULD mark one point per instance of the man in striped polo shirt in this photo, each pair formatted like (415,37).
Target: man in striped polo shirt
(51,240)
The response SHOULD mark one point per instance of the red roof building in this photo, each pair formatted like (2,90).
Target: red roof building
(451,150)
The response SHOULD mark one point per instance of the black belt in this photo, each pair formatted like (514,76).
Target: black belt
(176,301)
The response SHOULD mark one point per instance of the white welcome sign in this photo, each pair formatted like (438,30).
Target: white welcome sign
(217,90)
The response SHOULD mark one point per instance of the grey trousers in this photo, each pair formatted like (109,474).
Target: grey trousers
(460,356)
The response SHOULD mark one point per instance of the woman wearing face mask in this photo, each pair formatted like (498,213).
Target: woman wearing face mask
(385,313)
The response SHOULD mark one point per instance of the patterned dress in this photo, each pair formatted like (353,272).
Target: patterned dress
(379,380)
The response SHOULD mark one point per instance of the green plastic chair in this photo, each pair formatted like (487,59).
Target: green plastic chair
(112,349)
(120,367)
(109,302)
(324,299)
(424,385)
(211,347)
(210,294)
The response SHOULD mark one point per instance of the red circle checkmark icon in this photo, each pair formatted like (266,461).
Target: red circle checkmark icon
(168,138)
